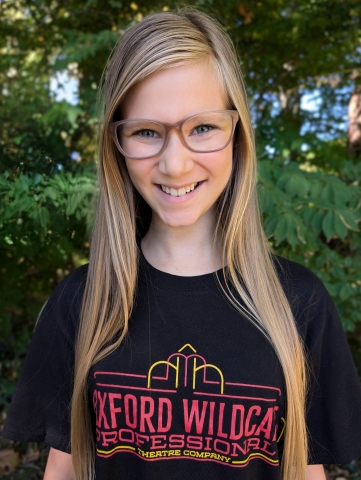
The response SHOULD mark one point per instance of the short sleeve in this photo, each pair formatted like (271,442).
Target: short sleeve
(334,401)
(333,410)
(40,408)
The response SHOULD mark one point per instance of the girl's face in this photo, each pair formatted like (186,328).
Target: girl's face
(170,96)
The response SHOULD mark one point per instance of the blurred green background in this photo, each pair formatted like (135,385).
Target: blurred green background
(302,65)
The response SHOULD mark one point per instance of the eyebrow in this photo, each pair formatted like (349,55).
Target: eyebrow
(179,121)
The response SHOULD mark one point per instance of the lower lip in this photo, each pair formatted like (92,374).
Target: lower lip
(181,199)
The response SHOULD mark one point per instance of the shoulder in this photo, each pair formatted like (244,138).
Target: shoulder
(309,299)
(76,277)
(64,304)
(297,279)
(71,287)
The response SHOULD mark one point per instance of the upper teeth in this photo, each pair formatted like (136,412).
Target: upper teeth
(181,191)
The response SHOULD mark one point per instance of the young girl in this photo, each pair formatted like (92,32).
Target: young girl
(186,349)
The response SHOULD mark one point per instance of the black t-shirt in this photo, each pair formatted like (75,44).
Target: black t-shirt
(195,390)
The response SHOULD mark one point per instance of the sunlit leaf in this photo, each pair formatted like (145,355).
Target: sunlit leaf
(340,227)
(348,219)
(301,234)
(37,178)
(51,192)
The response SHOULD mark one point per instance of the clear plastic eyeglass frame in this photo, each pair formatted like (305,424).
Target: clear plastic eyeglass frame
(112,129)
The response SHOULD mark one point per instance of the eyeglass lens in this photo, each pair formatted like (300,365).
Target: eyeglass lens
(202,133)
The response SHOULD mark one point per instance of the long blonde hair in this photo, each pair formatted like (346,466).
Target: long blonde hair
(160,41)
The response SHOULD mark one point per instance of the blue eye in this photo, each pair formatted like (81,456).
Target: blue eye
(146,133)
(203,129)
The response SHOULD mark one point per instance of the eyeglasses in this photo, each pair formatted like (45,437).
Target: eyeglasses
(204,132)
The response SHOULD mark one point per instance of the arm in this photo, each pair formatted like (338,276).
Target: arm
(59,466)
(315,472)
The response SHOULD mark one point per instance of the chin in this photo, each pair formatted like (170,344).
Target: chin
(175,221)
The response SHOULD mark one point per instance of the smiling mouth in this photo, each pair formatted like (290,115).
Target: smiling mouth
(181,191)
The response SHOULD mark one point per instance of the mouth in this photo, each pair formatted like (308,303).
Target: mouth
(180,192)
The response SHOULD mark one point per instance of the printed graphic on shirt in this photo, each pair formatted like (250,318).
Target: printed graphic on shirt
(184,407)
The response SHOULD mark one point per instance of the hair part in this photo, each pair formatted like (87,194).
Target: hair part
(162,41)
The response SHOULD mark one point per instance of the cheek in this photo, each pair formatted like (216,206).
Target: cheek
(138,172)
(220,166)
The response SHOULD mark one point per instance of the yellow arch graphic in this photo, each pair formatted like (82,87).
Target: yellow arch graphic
(187,345)
(164,362)
(107,452)
(238,462)
(283,429)
(195,370)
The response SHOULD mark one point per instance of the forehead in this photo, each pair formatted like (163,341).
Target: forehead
(176,93)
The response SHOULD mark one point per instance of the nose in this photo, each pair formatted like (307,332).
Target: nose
(176,160)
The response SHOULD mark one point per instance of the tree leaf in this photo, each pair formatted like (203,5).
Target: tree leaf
(346,291)
(41,216)
(342,194)
(25,203)
(292,236)
(73,203)
(283,180)
(308,214)
(327,193)
(24,181)
(348,219)
(297,185)
(266,200)
(301,234)
(44,217)
(328,224)
(339,226)
(37,178)
(316,188)
(320,260)
(281,229)
(51,192)
(316,222)
(270,224)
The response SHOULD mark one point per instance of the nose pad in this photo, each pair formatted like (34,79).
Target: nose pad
(176,159)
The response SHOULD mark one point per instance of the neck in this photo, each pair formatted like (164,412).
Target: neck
(184,251)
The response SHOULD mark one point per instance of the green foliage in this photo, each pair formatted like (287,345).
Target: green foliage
(312,217)
(309,185)
(42,235)
(309,199)
(35,205)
